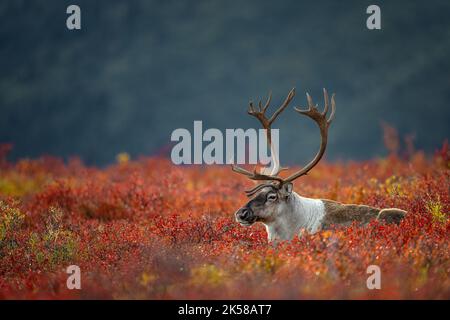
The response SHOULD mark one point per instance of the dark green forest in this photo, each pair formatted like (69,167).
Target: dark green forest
(137,70)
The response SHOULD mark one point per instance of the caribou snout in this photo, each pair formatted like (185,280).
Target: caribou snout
(245,216)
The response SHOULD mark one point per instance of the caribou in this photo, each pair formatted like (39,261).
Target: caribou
(273,202)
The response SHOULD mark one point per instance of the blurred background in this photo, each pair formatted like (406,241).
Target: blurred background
(137,70)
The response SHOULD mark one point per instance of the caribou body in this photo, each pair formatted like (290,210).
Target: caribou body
(285,213)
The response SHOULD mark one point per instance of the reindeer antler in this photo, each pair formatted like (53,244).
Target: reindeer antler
(319,117)
(260,114)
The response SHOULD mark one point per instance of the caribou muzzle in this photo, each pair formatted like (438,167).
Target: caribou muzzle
(245,216)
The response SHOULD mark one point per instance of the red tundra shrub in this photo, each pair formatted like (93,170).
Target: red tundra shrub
(149,229)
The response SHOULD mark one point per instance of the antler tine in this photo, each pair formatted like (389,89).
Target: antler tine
(254,175)
(255,189)
(260,114)
(312,109)
(333,109)
(251,109)
(310,101)
(333,105)
(269,99)
(325,99)
(286,102)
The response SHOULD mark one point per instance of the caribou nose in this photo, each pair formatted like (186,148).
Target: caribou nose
(244,213)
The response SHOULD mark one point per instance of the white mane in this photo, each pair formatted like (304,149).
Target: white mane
(296,214)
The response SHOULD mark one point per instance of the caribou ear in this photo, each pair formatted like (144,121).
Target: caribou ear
(286,189)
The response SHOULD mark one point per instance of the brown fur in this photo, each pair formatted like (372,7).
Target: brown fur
(392,215)
(345,214)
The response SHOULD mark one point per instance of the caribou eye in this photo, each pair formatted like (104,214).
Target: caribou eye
(272,197)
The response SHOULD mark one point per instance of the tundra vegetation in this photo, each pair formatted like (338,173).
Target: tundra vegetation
(146,228)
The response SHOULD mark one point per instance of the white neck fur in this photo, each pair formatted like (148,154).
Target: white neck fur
(298,213)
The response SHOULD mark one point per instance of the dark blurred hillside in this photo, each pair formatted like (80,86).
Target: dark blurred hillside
(140,69)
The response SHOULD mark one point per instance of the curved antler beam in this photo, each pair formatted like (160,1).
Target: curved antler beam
(321,119)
